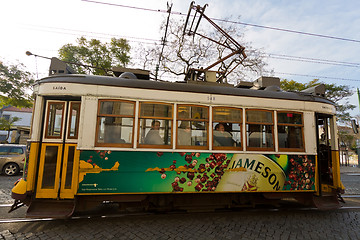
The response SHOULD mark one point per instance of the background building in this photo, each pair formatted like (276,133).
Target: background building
(348,146)
(20,130)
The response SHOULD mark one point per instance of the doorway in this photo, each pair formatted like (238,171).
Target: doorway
(59,158)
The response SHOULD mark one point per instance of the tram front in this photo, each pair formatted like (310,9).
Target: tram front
(50,177)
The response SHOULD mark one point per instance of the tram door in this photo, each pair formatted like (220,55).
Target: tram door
(57,174)
(325,146)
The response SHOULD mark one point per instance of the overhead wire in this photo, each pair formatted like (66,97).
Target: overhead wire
(277,56)
(315,76)
(270,55)
(155,41)
(234,22)
(300,59)
(314,60)
(90,33)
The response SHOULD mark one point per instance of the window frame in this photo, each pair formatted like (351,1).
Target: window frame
(76,135)
(291,125)
(98,116)
(240,122)
(139,117)
(207,122)
(260,123)
(46,134)
(176,120)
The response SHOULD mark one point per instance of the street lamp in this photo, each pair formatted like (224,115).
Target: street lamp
(31,54)
(28,53)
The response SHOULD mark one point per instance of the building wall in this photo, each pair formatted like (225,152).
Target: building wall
(20,133)
(25,117)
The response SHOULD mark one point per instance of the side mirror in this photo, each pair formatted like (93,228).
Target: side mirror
(354,126)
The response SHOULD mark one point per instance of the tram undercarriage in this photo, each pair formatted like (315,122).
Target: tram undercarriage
(97,204)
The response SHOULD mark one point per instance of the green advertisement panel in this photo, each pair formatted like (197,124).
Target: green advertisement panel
(157,172)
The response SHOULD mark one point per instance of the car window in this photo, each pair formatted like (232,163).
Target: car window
(16,151)
(4,150)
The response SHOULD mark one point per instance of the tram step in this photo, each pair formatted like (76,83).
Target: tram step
(326,202)
(50,209)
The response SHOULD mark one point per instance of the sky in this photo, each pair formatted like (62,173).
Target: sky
(43,27)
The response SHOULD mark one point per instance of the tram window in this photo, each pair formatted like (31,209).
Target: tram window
(290,131)
(54,121)
(155,124)
(49,173)
(74,120)
(192,126)
(226,127)
(259,130)
(115,123)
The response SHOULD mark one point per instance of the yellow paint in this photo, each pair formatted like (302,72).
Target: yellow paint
(337,184)
(69,193)
(20,187)
(86,167)
(336,170)
(75,179)
(115,167)
(283,161)
(239,169)
(316,177)
(48,192)
(326,188)
(32,165)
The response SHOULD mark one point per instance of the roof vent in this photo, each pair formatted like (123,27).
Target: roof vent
(139,73)
(210,76)
(272,88)
(245,84)
(318,90)
(263,82)
(128,75)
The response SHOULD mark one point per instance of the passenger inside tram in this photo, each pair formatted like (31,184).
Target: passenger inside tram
(184,133)
(222,137)
(153,136)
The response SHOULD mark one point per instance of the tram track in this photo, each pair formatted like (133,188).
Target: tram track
(19,220)
(350,196)
(343,196)
(122,215)
(6,205)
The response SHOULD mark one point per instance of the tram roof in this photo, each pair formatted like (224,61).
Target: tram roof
(180,86)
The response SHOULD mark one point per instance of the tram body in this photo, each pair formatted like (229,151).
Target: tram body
(88,146)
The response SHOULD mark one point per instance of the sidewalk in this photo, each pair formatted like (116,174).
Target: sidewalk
(348,169)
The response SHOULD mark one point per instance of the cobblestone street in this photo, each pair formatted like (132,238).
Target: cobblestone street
(6,184)
(238,225)
(244,224)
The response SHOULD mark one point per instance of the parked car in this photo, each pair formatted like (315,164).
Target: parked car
(12,158)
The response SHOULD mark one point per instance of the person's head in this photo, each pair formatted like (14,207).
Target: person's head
(220,127)
(155,124)
(185,125)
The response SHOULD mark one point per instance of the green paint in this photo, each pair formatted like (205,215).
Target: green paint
(152,172)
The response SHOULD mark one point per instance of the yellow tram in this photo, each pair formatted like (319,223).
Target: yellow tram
(181,145)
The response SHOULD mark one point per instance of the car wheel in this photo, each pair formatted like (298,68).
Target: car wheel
(11,169)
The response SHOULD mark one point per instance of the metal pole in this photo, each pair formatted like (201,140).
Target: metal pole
(163,40)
